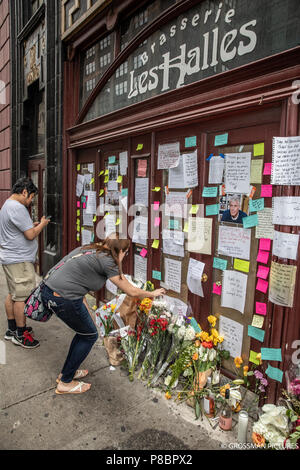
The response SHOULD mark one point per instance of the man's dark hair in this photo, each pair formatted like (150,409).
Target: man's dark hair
(24,183)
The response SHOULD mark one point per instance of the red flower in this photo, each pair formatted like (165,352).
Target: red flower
(207,345)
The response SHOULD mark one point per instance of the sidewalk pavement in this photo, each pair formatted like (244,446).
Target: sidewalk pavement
(115,414)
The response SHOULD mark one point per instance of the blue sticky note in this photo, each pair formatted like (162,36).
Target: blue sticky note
(271,354)
(124,192)
(191,141)
(174,224)
(274,373)
(210,191)
(212,209)
(250,221)
(221,139)
(220,263)
(257,204)
(256,333)
(195,325)
(111,159)
(156,275)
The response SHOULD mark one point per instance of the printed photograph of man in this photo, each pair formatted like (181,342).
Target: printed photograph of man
(234,214)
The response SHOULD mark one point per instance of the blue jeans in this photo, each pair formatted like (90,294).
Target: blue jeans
(75,314)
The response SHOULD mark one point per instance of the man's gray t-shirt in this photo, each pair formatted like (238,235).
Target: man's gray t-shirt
(76,277)
(14,220)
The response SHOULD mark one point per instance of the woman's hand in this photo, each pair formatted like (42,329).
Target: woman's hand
(158,292)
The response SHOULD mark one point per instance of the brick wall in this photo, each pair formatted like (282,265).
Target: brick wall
(5,172)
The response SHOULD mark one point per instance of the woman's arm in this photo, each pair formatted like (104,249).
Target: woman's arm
(133,291)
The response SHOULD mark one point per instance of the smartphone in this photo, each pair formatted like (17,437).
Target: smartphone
(49,217)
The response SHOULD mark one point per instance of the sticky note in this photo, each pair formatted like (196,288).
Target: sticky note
(210,191)
(262,256)
(124,192)
(212,209)
(78,228)
(274,373)
(258,149)
(256,333)
(261,308)
(262,286)
(221,139)
(257,321)
(106,179)
(78,237)
(250,221)
(265,244)
(94,218)
(156,221)
(155,244)
(256,204)
(241,265)
(174,224)
(120,179)
(156,275)
(78,167)
(220,263)
(190,141)
(194,209)
(107,213)
(266,190)
(195,325)
(78,203)
(156,205)
(263,271)
(271,354)
(118,222)
(84,205)
(101,172)
(111,159)
(156,189)
(252,358)
(140,146)
(83,198)
(186,227)
(101,192)
(217,289)
(78,212)
(267,169)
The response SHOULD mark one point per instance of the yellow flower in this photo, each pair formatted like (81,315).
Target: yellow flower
(258,357)
(212,320)
(113,306)
(195,357)
(197,343)
(168,395)
(246,368)
(238,361)
(204,336)
(179,396)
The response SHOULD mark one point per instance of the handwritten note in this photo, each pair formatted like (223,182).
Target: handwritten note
(210,191)
(123,160)
(286,161)
(173,274)
(199,235)
(140,268)
(156,275)
(274,373)
(234,287)
(237,172)
(267,169)
(175,204)
(217,289)
(271,354)
(190,141)
(221,139)
(168,155)
(141,191)
(194,275)
(285,245)
(282,284)
(212,209)
(241,265)
(265,227)
(286,210)
(265,244)
(234,241)
(216,170)
(185,175)
(256,171)
(232,332)
(257,321)
(256,333)
(256,204)
(220,263)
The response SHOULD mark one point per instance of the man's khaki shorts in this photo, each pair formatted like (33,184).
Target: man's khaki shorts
(20,278)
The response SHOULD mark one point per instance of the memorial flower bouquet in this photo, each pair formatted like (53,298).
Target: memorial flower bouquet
(104,318)
(132,345)
(271,427)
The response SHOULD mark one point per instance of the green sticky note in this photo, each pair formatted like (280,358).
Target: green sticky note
(252,358)
(256,333)
(155,244)
(156,275)
(186,227)
(118,222)
(274,373)
(210,191)
(94,218)
(190,141)
(106,179)
(106,172)
(156,189)
(194,209)
(221,139)
(212,209)
(220,263)
(124,192)
(101,172)
(140,146)
(78,212)
(271,354)
(119,179)
(78,237)
(101,192)
(250,221)
(241,265)
(257,204)
(258,149)
(78,167)
(174,224)
(112,159)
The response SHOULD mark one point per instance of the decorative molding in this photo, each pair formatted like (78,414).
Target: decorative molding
(68,26)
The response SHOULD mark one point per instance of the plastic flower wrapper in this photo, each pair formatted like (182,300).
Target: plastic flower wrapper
(132,345)
(104,318)
(158,331)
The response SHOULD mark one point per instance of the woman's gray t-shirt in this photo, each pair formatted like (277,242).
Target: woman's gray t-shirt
(76,277)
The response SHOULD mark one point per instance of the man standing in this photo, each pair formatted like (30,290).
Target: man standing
(234,214)
(18,248)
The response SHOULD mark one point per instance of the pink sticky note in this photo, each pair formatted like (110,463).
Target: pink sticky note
(217,289)
(143,252)
(266,190)
(261,308)
(265,244)
(263,272)
(78,204)
(156,221)
(267,169)
(262,256)
(84,205)
(156,205)
(262,285)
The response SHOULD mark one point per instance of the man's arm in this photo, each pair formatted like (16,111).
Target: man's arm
(34,232)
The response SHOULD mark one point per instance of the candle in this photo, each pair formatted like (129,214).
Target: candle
(242,426)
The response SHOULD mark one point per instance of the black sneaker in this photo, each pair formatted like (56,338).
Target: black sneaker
(10,334)
(26,341)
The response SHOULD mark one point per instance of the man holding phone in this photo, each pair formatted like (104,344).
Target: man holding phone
(18,248)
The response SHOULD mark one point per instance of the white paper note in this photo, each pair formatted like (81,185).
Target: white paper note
(87,219)
(110,224)
(286,210)
(265,227)
(176,306)
(286,161)
(194,275)
(79,185)
(216,170)
(199,235)
(86,237)
(91,205)
(170,242)
(140,268)
(237,172)
(140,230)
(232,332)
(176,204)
(285,245)
(123,160)
(185,175)
(168,155)
(173,274)
(234,287)
(142,191)
(234,241)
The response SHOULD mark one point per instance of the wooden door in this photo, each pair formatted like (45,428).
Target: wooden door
(36,171)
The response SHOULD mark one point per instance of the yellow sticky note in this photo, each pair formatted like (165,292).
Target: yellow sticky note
(78,167)
(118,222)
(78,212)
(78,237)
(156,189)
(194,209)
(119,179)
(241,265)
(92,180)
(140,146)
(258,149)
(258,321)
(186,227)
(94,218)
(78,228)
(106,172)
(101,172)
(106,179)
(78,221)
(101,192)
(155,244)
(252,357)
(107,213)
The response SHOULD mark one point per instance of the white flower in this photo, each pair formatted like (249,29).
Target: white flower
(189,334)
(170,328)
(160,304)
(168,380)
(212,354)
(187,372)
(181,332)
